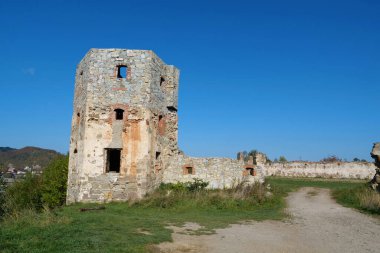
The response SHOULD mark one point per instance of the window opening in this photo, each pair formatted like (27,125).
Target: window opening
(122,71)
(113,160)
(172,109)
(189,170)
(158,155)
(119,114)
(78,118)
(162,80)
(251,171)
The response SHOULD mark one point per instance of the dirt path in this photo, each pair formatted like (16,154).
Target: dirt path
(317,224)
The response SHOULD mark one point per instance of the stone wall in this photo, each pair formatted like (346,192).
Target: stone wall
(343,170)
(219,172)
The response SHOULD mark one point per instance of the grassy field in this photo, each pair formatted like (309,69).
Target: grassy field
(121,227)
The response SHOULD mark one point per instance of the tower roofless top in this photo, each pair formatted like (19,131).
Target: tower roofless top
(130,53)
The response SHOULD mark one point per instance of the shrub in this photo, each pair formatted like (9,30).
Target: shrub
(34,192)
(178,187)
(197,185)
(23,194)
(54,182)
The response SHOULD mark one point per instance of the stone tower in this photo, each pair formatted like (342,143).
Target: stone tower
(124,125)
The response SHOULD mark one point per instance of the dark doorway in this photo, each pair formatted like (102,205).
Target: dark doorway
(113,160)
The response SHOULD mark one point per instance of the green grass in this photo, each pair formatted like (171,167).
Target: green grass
(293,184)
(118,227)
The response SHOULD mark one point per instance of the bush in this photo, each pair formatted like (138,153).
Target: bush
(197,185)
(23,194)
(35,192)
(178,187)
(54,182)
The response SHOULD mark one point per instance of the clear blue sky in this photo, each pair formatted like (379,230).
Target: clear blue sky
(293,78)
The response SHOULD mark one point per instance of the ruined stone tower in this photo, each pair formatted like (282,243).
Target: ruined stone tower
(124,125)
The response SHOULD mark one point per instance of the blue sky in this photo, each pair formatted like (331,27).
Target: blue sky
(293,78)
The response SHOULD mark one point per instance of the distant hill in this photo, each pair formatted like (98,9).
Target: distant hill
(5,149)
(28,156)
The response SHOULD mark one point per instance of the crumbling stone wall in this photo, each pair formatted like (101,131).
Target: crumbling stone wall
(343,170)
(219,172)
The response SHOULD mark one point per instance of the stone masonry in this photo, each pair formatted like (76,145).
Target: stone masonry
(337,170)
(124,131)
(219,172)
(375,154)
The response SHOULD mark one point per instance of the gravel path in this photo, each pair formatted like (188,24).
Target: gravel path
(317,224)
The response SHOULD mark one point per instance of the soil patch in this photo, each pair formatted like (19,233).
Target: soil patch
(316,224)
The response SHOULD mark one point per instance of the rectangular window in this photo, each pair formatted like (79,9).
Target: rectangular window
(122,71)
(113,160)
(251,171)
(119,114)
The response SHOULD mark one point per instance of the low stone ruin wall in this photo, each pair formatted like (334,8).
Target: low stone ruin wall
(219,172)
(344,170)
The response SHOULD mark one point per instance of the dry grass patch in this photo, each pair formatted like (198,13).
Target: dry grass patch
(370,200)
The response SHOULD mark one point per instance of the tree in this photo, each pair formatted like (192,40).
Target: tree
(282,159)
(54,182)
(356,159)
(252,153)
(331,159)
